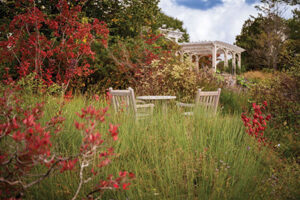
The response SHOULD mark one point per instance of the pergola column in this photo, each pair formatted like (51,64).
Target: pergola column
(234,63)
(225,58)
(181,55)
(214,58)
(190,58)
(197,63)
(239,61)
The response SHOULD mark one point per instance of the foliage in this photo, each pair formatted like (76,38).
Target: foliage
(170,76)
(57,56)
(257,76)
(263,39)
(270,40)
(282,93)
(246,40)
(256,125)
(125,59)
(125,19)
(27,156)
(289,57)
(240,80)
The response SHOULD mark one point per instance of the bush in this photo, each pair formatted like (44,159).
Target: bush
(169,76)
(283,95)
(29,154)
(257,76)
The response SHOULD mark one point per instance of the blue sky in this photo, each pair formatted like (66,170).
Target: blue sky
(206,4)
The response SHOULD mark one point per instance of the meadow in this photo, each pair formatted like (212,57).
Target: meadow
(173,157)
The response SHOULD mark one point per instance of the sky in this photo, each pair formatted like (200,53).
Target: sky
(211,19)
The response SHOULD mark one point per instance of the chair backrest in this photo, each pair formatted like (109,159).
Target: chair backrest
(208,99)
(123,100)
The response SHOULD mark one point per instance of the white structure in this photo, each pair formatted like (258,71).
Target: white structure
(213,48)
(172,34)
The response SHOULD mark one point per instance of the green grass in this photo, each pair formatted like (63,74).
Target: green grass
(173,157)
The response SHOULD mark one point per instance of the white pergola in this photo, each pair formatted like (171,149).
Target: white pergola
(172,34)
(213,48)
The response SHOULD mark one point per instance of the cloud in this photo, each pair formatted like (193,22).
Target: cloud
(220,22)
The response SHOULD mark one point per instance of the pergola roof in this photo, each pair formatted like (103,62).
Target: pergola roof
(205,47)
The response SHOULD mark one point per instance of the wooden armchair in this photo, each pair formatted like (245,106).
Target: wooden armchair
(124,100)
(208,100)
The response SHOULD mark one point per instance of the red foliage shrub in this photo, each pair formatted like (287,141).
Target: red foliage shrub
(256,125)
(58,54)
(26,144)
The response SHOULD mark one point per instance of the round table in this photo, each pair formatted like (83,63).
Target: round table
(163,99)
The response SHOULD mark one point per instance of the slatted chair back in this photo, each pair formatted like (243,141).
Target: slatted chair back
(208,99)
(123,100)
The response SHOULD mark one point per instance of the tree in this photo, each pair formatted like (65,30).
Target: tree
(264,37)
(274,32)
(289,57)
(251,29)
(56,48)
(125,18)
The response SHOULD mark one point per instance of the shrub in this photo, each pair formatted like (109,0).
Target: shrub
(256,125)
(27,156)
(56,48)
(282,94)
(257,76)
(170,76)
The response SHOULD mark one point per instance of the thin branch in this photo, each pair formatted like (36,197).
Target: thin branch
(82,166)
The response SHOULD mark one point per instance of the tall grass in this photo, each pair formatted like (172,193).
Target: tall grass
(173,157)
(232,102)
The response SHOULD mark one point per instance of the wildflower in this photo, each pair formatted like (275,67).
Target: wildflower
(114,131)
(125,186)
(265,103)
(96,97)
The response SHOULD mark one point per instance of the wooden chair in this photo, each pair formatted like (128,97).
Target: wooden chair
(208,100)
(124,100)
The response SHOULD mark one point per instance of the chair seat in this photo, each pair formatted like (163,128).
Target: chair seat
(188,113)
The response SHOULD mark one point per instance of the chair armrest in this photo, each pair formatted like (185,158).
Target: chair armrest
(140,101)
(190,105)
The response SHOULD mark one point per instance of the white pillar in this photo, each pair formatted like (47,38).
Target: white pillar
(234,63)
(214,58)
(182,56)
(225,58)
(240,61)
(190,55)
(197,63)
